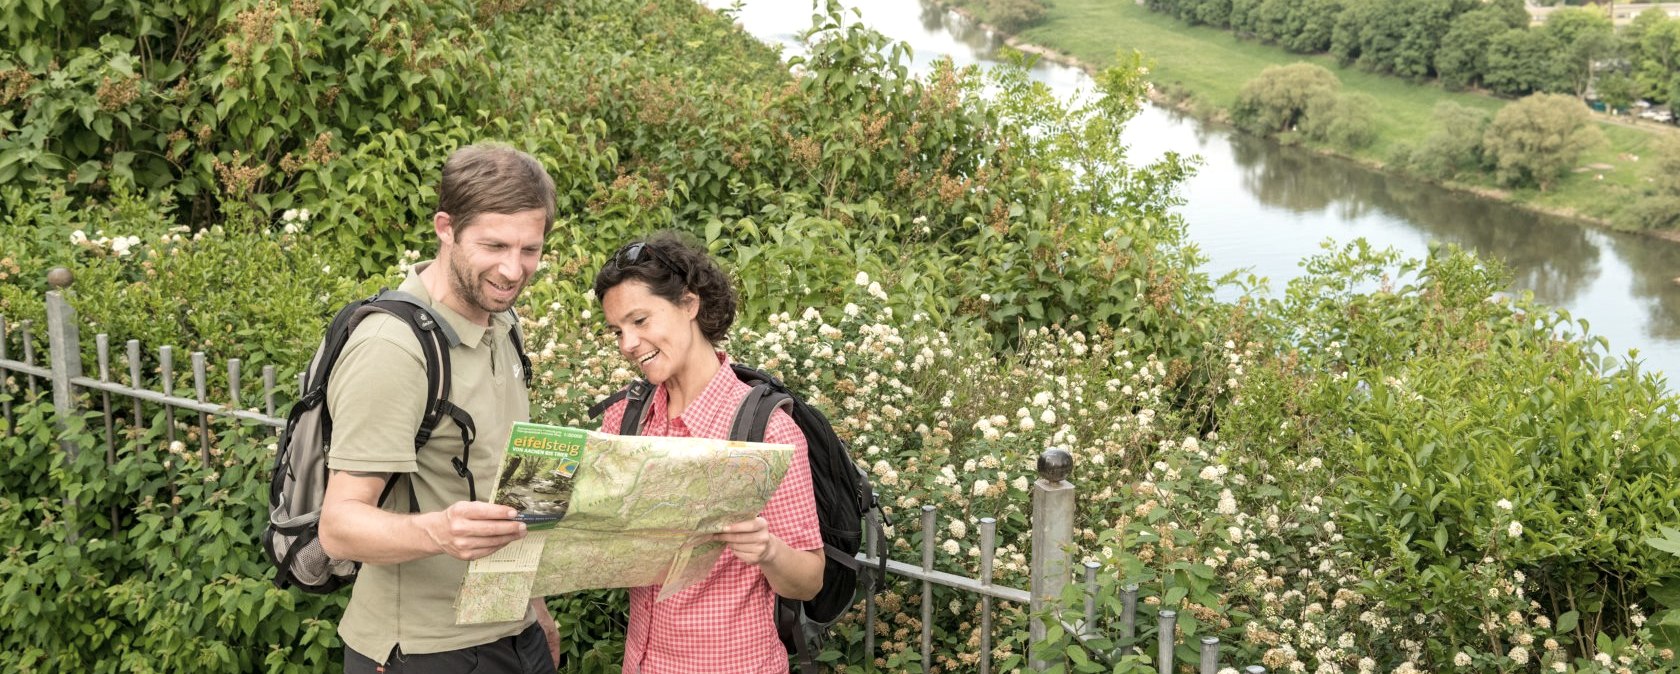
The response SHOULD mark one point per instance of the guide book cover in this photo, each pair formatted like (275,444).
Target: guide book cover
(536,476)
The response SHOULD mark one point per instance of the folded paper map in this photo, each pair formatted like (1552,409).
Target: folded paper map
(615,511)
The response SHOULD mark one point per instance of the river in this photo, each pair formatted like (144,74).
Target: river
(1259,206)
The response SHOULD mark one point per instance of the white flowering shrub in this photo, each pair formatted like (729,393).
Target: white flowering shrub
(258,294)
(1455,530)
(1260,533)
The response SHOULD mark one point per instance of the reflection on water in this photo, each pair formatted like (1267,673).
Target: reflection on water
(1657,290)
(1259,206)
(1552,257)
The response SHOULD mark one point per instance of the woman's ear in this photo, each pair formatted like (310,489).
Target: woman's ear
(691,304)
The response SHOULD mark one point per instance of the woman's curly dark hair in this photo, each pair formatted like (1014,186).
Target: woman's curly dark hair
(672,265)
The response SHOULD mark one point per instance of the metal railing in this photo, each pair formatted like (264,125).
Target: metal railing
(1052,524)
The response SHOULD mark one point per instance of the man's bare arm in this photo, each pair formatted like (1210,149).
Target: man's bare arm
(354,527)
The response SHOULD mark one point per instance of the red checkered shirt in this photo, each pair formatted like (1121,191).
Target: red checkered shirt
(725,623)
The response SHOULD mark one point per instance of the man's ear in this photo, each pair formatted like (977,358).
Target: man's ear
(445,226)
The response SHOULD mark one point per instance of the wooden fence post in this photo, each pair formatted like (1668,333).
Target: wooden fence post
(65,358)
(1052,534)
(65,352)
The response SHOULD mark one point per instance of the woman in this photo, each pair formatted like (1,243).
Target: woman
(670,306)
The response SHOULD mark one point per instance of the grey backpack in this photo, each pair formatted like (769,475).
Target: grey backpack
(298,482)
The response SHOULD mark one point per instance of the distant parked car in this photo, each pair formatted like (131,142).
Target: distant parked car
(1657,115)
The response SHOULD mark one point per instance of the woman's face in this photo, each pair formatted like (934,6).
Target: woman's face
(654,334)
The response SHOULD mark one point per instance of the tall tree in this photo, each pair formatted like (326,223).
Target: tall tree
(1245,17)
(1461,60)
(1657,67)
(1311,24)
(1272,20)
(1616,89)
(1522,61)
(1587,37)
(1382,33)
(1536,140)
(1346,43)
(1513,11)
(1426,22)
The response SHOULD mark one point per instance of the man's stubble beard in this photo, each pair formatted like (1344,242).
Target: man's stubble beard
(468,288)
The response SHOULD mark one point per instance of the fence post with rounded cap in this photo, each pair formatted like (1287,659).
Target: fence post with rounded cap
(1052,535)
(64,340)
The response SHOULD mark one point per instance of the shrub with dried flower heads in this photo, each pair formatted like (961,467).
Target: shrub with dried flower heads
(1360,477)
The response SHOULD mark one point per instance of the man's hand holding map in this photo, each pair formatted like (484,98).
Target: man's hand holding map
(633,511)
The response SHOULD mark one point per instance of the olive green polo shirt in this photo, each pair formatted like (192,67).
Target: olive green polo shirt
(377,396)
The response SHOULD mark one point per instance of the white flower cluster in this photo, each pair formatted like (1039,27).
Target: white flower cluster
(119,246)
(409,258)
(294,219)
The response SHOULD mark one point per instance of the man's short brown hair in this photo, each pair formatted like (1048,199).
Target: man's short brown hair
(493,178)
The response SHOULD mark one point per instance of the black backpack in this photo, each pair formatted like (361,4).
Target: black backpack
(298,483)
(845,504)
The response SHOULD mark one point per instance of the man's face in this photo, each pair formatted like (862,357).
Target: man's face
(490,261)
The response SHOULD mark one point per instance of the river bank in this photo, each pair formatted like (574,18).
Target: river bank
(1199,70)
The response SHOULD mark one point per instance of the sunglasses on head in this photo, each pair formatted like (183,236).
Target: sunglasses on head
(630,255)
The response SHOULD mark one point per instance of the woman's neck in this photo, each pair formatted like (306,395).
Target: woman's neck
(683,387)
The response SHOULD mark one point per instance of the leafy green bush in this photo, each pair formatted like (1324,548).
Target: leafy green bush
(261,296)
(1013,16)
(1660,207)
(1536,140)
(927,183)
(1280,98)
(173,583)
(225,103)
(1347,121)
(1483,454)
(1455,146)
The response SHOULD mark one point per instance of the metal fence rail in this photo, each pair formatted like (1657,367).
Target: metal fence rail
(1052,494)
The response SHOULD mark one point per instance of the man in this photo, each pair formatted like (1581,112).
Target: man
(495,206)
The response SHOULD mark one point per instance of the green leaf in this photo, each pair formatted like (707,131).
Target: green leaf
(1670,541)
(1667,594)
(1566,622)
(11,156)
(121,165)
(87,172)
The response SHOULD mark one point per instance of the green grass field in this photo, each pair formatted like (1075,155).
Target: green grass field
(1209,67)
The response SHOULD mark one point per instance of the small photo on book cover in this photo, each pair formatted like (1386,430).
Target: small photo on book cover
(536,476)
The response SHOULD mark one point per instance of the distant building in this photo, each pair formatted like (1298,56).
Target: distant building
(1621,13)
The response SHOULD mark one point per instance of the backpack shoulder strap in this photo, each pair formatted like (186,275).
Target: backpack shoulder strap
(436,338)
(752,418)
(601,406)
(640,395)
(437,322)
(519,349)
